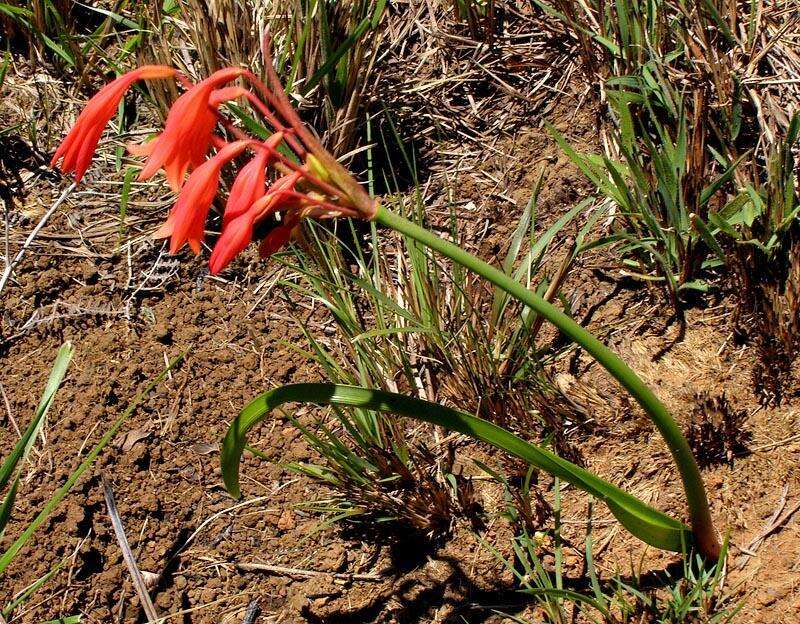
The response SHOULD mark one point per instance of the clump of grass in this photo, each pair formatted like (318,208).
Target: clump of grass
(403,321)
(764,238)
(716,430)
(323,51)
(696,594)
(388,479)
(685,133)
(378,467)
(74,38)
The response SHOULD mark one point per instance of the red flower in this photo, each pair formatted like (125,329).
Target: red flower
(80,144)
(250,184)
(186,221)
(281,196)
(279,236)
(241,216)
(189,128)
(236,235)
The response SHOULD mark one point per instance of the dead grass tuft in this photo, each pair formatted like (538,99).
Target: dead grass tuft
(716,431)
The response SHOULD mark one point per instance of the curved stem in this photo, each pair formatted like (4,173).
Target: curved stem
(702,525)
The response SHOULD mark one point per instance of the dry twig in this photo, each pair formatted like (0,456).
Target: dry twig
(127,554)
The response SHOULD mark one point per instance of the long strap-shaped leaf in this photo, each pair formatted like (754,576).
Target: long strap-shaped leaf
(646,523)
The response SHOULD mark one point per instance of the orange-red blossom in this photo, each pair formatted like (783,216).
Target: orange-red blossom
(310,182)
(77,149)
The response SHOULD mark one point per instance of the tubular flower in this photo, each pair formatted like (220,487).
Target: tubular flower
(310,182)
(236,235)
(186,221)
(80,144)
(278,236)
(250,183)
(188,131)
(237,228)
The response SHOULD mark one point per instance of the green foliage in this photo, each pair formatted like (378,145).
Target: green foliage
(70,43)
(663,229)
(680,133)
(694,595)
(405,321)
(12,465)
(648,524)
(324,51)
(762,216)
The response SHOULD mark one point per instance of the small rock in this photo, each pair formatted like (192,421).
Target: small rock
(287,521)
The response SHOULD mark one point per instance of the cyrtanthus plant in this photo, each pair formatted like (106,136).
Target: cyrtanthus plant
(313,184)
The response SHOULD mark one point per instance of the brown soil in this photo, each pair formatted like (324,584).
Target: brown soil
(164,468)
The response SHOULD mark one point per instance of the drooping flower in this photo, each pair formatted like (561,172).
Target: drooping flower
(186,221)
(312,183)
(237,227)
(79,145)
(188,131)
(236,235)
(250,183)
(278,236)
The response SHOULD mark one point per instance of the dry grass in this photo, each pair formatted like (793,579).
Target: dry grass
(465,95)
(304,36)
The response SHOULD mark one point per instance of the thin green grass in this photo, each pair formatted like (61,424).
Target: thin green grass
(406,321)
(696,595)
(687,148)
(12,465)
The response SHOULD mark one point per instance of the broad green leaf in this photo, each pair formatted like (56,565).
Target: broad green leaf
(707,236)
(646,523)
(712,188)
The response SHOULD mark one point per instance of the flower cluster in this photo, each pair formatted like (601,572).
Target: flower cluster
(289,174)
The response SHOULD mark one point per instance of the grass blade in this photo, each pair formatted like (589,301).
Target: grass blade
(61,492)
(8,505)
(23,446)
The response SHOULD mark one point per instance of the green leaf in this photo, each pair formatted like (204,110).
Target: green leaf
(24,444)
(31,589)
(59,50)
(712,188)
(646,523)
(115,17)
(4,69)
(707,236)
(343,49)
(15,12)
(568,594)
(8,505)
(130,174)
(391,331)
